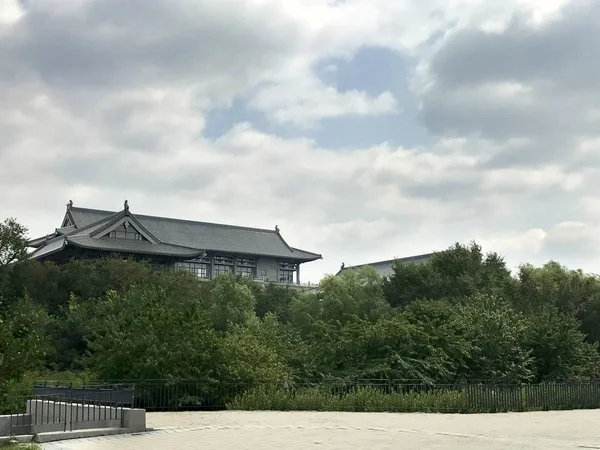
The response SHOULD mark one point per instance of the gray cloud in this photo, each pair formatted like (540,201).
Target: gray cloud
(110,43)
(555,65)
(107,101)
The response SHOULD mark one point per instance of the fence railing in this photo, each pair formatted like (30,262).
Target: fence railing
(95,394)
(62,409)
(361,395)
(108,398)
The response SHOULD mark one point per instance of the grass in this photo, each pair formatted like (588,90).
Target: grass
(29,446)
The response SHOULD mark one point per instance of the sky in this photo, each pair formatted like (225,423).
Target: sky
(365,129)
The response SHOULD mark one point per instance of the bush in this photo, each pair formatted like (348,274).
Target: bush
(360,399)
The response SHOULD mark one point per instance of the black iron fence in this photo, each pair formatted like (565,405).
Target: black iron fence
(95,394)
(362,395)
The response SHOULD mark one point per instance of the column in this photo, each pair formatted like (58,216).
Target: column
(298,274)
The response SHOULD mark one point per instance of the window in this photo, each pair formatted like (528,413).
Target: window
(246,262)
(126,232)
(245,271)
(286,272)
(198,269)
(263,272)
(222,270)
(224,260)
(286,276)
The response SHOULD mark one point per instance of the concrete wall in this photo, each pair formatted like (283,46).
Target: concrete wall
(15,424)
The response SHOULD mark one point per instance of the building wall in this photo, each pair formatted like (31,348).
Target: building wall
(271,265)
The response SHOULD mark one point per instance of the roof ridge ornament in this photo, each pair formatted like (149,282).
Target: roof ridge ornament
(276,228)
(70,204)
(126,205)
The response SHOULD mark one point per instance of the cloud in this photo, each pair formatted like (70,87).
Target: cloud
(105,100)
(532,82)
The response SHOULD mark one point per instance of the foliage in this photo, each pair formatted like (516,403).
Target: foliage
(13,242)
(228,303)
(363,399)
(145,333)
(497,335)
(458,272)
(22,341)
(558,348)
(459,316)
(21,446)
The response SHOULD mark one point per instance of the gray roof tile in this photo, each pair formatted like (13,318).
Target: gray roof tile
(178,236)
(131,246)
(386,268)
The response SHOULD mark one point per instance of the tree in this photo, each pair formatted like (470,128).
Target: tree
(148,333)
(497,335)
(572,292)
(23,344)
(13,242)
(354,294)
(271,298)
(457,272)
(228,303)
(558,347)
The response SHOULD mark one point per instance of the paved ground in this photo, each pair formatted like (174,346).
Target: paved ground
(329,431)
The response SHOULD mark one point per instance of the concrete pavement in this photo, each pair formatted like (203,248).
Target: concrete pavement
(328,431)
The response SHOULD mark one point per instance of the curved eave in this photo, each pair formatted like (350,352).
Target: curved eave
(36,254)
(38,242)
(304,256)
(192,254)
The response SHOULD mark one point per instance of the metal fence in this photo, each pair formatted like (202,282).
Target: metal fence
(63,409)
(361,395)
(96,393)
(380,395)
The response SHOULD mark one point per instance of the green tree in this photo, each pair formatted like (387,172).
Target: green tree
(228,302)
(354,294)
(390,348)
(458,272)
(247,354)
(13,242)
(23,344)
(497,335)
(271,298)
(148,333)
(573,292)
(558,347)
(446,330)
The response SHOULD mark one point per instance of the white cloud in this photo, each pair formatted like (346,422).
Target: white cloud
(10,12)
(105,101)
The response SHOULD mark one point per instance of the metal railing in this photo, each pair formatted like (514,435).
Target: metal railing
(68,408)
(93,394)
(64,409)
(364,395)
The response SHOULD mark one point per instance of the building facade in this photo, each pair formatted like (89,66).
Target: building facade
(205,249)
(386,268)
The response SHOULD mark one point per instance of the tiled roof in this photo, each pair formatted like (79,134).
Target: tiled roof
(386,268)
(131,246)
(51,246)
(179,237)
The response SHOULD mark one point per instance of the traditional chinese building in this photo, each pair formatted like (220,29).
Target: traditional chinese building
(386,268)
(206,249)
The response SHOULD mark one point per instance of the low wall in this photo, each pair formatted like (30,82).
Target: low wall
(61,416)
(43,416)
